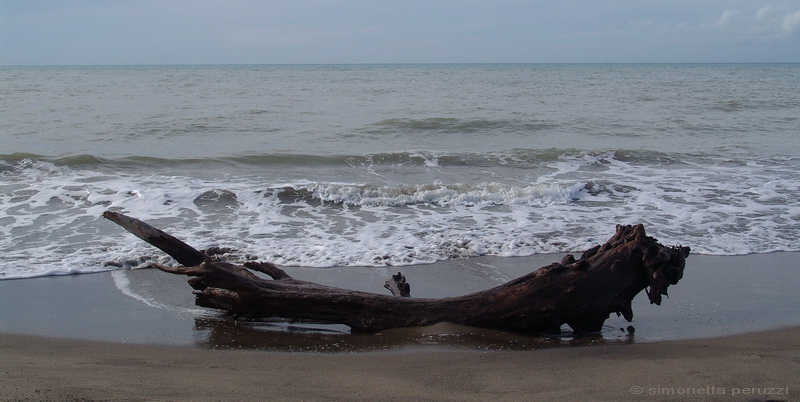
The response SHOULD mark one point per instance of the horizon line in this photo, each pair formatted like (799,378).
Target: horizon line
(392,63)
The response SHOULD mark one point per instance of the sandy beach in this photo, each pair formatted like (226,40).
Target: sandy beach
(729,331)
(757,366)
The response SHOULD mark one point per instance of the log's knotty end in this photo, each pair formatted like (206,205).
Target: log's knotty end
(635,232)
(665,270)
(398,286)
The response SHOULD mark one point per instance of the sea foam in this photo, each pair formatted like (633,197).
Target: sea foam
(51,212)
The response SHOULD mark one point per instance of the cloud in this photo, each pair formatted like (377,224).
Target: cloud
(791,23)
(764,13)
(776,22)
(726,18)
(256,37)
(765,22)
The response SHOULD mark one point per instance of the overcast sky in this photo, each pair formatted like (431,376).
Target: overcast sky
(397,31)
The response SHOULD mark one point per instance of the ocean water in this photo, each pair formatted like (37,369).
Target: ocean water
(376,165)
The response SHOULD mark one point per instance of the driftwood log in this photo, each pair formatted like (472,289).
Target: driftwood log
(581,293)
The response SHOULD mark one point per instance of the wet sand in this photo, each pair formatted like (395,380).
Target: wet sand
(135,335)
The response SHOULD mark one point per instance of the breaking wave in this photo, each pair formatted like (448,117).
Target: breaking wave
(388,209)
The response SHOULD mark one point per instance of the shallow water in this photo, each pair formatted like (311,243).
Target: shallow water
(717,296)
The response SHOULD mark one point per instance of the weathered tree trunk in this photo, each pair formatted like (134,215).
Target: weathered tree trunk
(581,293)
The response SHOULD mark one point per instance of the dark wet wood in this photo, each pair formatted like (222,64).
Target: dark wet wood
(581,293)
(180,251)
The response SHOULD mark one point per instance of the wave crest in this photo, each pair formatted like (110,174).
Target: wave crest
(455,125)
(439,194)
